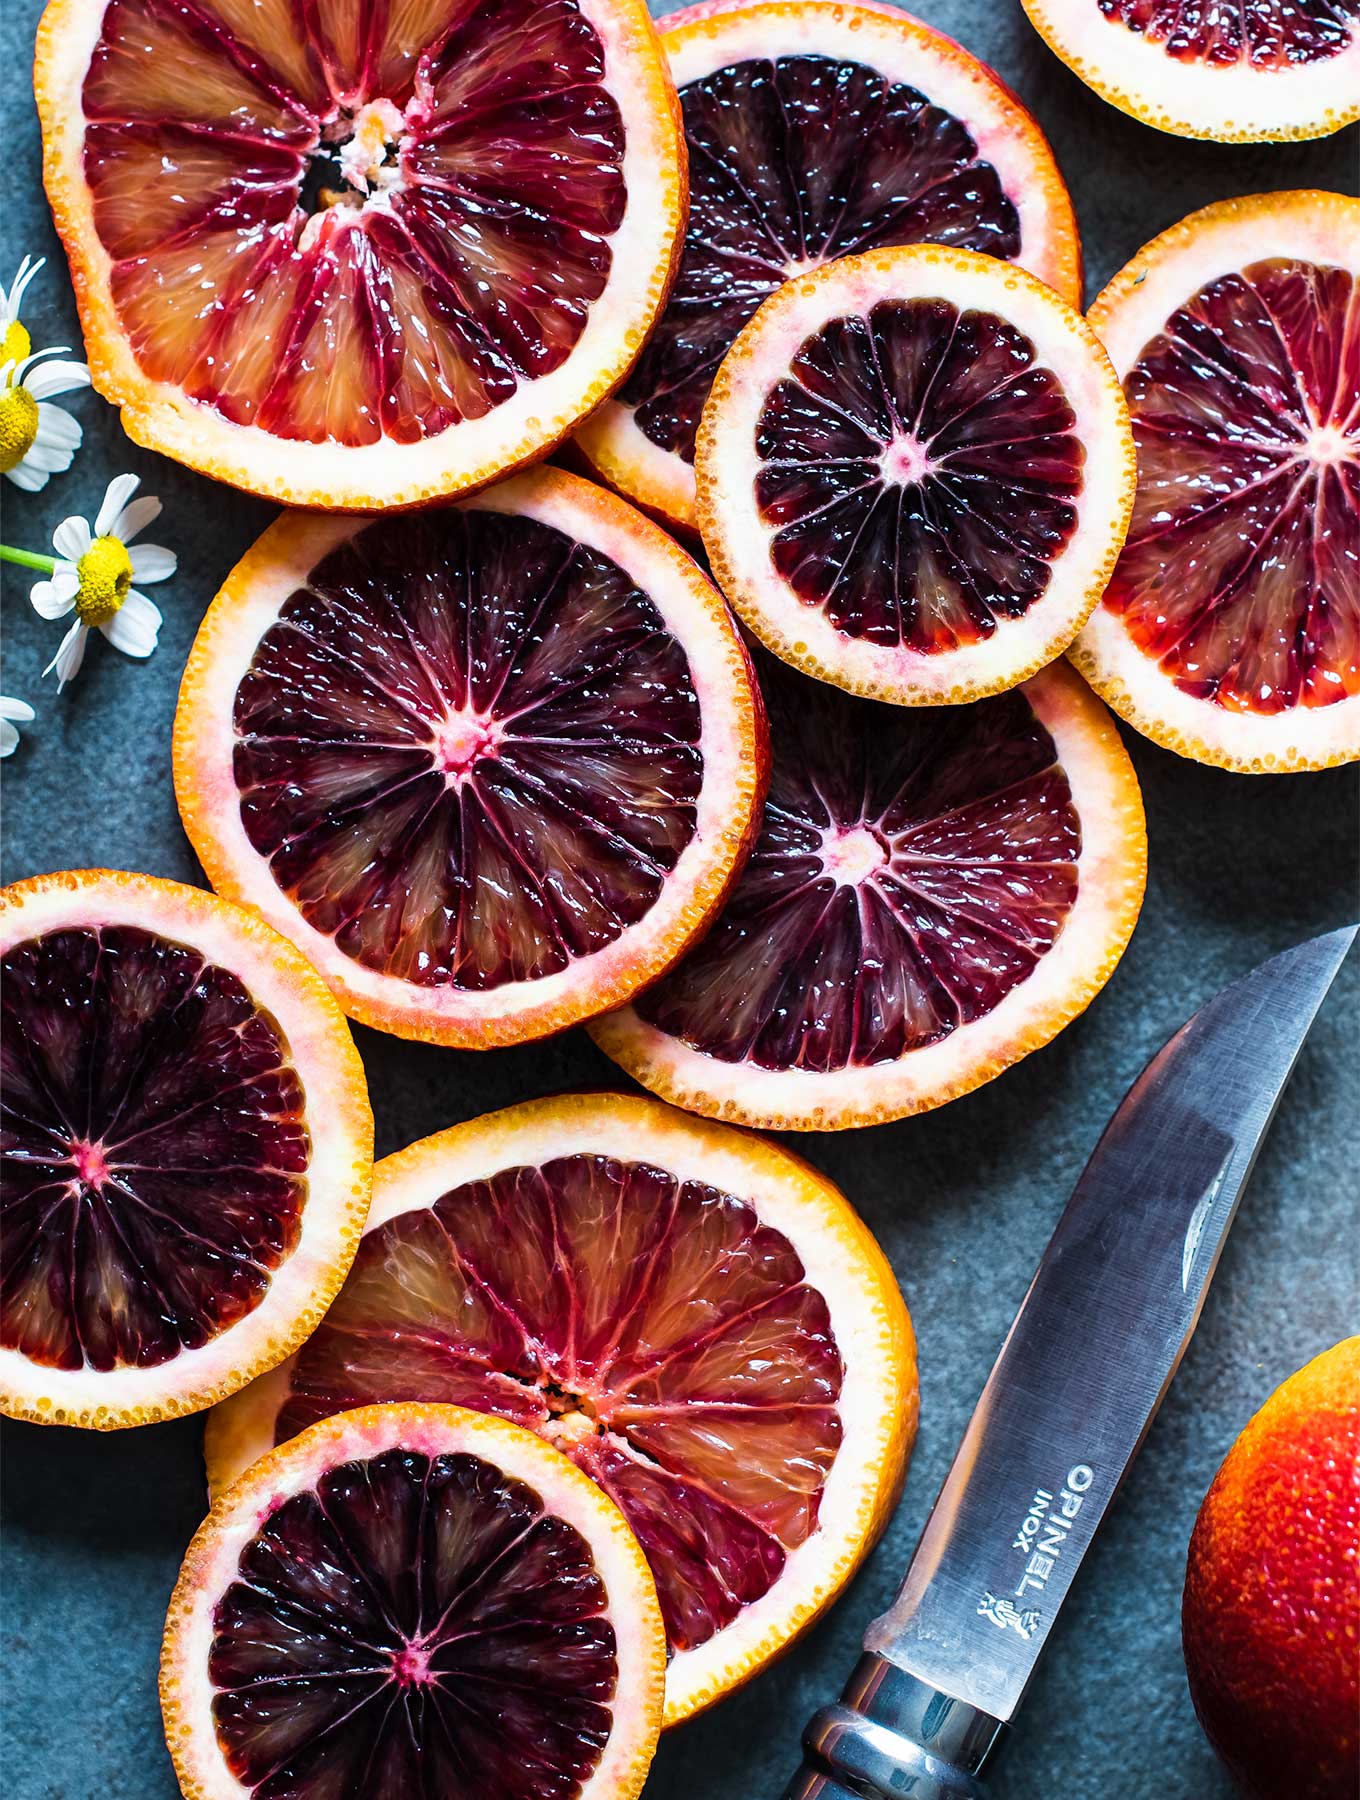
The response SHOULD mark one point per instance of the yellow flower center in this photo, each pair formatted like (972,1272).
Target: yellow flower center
(18,426)
(16,344)
(105,573)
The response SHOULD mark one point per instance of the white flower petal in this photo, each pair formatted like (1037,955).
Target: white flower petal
(57,378)
(119,491)
(134,628)
(152,562)
(12,299)
(9,739)
(52,599)
(29,479)
(57,428)
(71,539)
(70,654)
(16,709)
(135,518)
(43,456)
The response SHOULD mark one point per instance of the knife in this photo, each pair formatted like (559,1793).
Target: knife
(1079,1379)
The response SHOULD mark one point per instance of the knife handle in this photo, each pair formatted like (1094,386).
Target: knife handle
(893,1737)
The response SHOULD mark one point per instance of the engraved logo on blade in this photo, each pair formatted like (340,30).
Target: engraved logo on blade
(1040,1538)
(1004,1613)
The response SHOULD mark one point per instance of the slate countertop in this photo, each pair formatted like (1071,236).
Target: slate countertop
(962,1199)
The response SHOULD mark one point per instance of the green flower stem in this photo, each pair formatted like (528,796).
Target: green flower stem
(28,559)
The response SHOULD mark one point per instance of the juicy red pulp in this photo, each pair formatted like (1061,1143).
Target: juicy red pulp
(396,297)
(795,161)
(154,1152)
(920,468)
(416,1627)
(1268,34)
(469,749)
(653,1329)
(1241,572)
(913,866)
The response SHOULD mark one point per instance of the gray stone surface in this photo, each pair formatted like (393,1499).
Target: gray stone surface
(963,1200)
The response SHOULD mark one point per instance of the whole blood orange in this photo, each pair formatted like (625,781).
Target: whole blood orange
(1271,1614)
(408,1602)
(491,768)
(693,1315)
(816,130)
(1230,630)
(186,1145)
(360,253)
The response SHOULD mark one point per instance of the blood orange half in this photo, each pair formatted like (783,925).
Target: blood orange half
(410,1602)
(915,471)
(1239,72)
(1231,629)
(360,253)
(693,1315)
(815,130)
(186,1146)
(490,769)
(934,893)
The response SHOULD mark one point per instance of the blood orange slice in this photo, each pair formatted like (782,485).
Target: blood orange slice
(816,130)
(934,894)
(1231,629)
(696,1317)
(915,471)
(360,253)
(411,1601)
(186,1145)
(1238,73)
(490,769)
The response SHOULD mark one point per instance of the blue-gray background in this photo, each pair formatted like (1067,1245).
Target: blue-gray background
(962,1200)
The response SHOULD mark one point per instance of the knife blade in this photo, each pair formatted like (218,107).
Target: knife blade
(1077,1383)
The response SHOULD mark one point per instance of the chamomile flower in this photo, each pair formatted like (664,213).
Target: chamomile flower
(37,439)
(13,714)
(93,575)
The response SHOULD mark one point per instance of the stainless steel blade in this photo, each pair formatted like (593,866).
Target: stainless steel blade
(1098,1339)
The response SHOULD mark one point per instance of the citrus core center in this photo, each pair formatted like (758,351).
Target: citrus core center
(1327,444)
(91,1164)
(411,1666)
(461,741)
(850,854)
(906,460)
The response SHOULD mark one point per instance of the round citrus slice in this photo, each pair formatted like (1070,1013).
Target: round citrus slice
(490,769)
(934,894)
(915,473)
(815,130)
(1230,631)
(1239,73)
(186,1146)
(360,254)
(411,1601)
(693,1315)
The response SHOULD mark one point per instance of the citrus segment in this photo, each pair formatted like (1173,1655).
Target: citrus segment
(693,1316)
(914,473)
(413,1600)
(370,254)
(1231,628)
(815,131)
(1242,73)
(487,769)
(933,894)
(186,1145)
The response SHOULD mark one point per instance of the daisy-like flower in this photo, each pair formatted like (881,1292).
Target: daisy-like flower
(93,573)
(37,439)
(13,714)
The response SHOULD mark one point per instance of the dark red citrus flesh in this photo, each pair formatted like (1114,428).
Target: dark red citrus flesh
(920,469)
(913,866)
(1267,34)
(654,1329)
(415,1627)
(154,1149)
(469,748)
(794,161)
(1241,573)
(250,270)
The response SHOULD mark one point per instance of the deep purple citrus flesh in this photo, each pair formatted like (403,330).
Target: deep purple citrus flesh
(469,748)
(921,469)
(249,264)
(1267,34)
(794,161)
(1241,572)
(416,1627)
(154,1149)
(653,1329)
(913,866)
